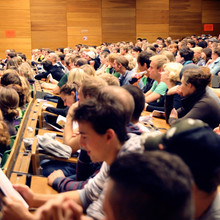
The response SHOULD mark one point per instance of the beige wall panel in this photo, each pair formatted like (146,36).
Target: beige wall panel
(84,20)
(48,23)
(118,21)
(211,16)
(118,4)
(15,16)
(152,4)
(152,31)
(152,16)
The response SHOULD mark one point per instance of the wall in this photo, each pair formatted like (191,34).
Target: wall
(62,23)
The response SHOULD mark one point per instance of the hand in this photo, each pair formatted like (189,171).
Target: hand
(174,90)
(55,174)
(217,130)
(173,113)
(26,193)
(71,110)
(62,208)
(14,209)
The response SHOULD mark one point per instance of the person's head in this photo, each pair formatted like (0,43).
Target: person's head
(77,75)
(194,79)
(102,127)
(123,50)
(136,51)
(52,57)
(90,87)
(143,61)
(206,54)
(80,62)
(168,54)
(110,79)
(184,54)
(26,71)
(47,65)
(197,52)
(171,73)
(88,69)
(69,94)
(10,77)
(191,43)
(173,48)
(216,53)
(160,188)
(123,97)
(139,101)
(120,64)
(90,55)
(9,101)
(156,66)
(198,146)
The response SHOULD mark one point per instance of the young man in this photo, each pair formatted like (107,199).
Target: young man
(155,95)
(160,188)
(199,147)
(102,127)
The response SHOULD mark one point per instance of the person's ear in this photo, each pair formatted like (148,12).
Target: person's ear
(110,134)
(161,147)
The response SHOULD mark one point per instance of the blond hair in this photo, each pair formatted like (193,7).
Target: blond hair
(174,69)
(77,75)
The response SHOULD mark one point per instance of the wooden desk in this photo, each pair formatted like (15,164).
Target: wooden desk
(158,123)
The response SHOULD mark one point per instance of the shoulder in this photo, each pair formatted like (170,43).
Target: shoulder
(133,144)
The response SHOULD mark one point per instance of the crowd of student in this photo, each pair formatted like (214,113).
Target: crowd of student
(123,170)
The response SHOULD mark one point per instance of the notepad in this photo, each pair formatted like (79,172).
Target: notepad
(8,189)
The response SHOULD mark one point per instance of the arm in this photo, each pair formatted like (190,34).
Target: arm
(69,137)
(56,90)
(153,96)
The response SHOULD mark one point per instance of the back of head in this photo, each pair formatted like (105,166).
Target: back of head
(103,114)
(159,60)
(186,53)
(160,187)
(89,70)
(168,54)
(110,79)
(81,61)
(77,75)
(123,61)
(10,77)
(198,146)
(9,101)
(47,65)
(122,96)
(139,101)
(91,86)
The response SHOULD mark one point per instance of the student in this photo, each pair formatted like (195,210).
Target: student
(198,146)
(196,102)
(9,101)
(159,180)
(102,127)
(155,96)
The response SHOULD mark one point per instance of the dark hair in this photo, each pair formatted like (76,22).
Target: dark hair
(103,115)
(137,49)
(208,53)
(23,56)
(197,78)
(192,42)
(217,51)
(81,62)
(62,57)
(144,57)
(70,87)
(47,65)
(186,53)
(12,54)
(140,39)
(10,78)
(202,44)
(139,100)
(159,180)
